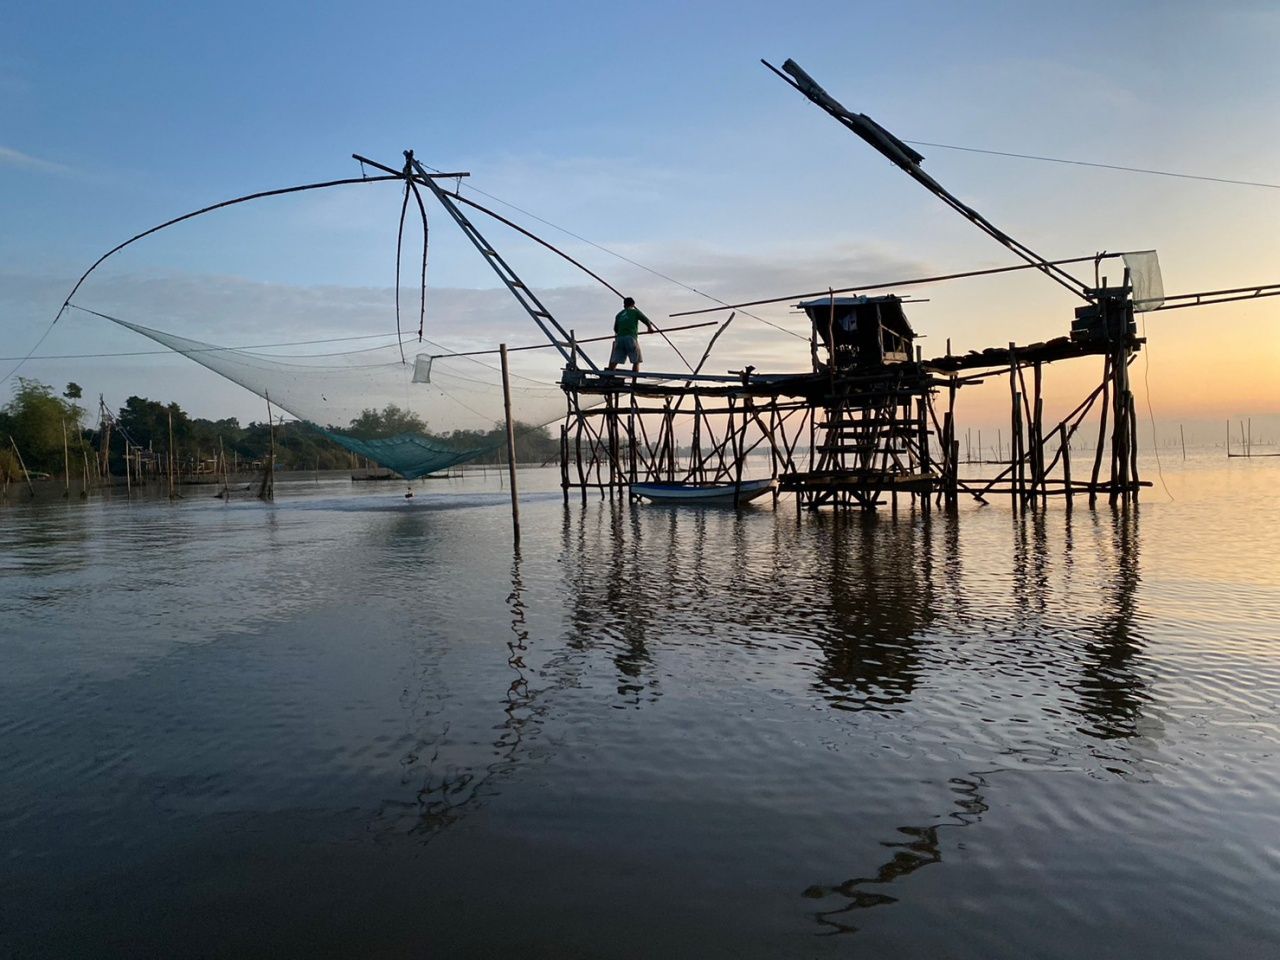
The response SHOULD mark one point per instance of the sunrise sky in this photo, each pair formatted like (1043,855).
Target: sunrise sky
(651,130)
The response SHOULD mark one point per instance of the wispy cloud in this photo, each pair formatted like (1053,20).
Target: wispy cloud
(16,158)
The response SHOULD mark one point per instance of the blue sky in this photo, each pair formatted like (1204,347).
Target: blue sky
(651,129)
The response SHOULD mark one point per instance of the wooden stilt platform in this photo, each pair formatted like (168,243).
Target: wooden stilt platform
(858,436)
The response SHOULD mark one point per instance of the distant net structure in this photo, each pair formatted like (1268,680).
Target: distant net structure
(416,416)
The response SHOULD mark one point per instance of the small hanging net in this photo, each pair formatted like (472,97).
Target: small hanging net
(1145,278)
(413,416)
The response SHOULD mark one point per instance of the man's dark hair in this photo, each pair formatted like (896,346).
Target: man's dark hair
(628,302)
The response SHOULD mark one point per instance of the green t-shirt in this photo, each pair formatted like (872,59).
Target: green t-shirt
(627,322)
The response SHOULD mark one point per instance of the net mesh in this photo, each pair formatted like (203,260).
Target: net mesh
(413,416)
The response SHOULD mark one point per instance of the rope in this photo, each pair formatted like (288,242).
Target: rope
(168,223)
(422,301)
(591,273)
(1146,382)
(604,249)
(404,206)
(915,281)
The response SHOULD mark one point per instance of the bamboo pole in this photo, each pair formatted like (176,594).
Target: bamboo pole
(1133,481)
(1120,428)
(672,453)
(955,474)
(104,439)
(577,448)
(1066,463)
(738,454)
(923,428)
(631,438)
(695,447)
(22,463)
(953,445)
(615,468)
(1015,419)
(170,459)
(1037,427)
(1102,430)
(511,444)
(66,463)
(267,489)
(564,462)
(222,462)
(947,427)
(1039,437)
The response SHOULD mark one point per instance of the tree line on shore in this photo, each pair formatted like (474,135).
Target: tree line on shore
(45,432)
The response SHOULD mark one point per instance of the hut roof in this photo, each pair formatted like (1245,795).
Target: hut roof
(891,312)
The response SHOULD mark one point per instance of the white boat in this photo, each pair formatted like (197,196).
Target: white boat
(703,493)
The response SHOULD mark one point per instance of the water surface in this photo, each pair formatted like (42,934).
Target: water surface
(347,724)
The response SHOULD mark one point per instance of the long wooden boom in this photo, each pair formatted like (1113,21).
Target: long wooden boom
(909,160)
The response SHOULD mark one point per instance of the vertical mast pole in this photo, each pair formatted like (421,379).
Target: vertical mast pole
(511,445)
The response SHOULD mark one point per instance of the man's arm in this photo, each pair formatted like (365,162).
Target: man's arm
(647,322)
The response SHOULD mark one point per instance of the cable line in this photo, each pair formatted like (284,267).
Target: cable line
(614,253)
(1103,166)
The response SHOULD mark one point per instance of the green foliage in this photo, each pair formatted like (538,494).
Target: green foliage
(36,419)
(36,415)
(391,421)
(73,391)
(533,444)
(147,423)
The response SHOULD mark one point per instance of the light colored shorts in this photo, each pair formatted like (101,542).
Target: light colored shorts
(625,350)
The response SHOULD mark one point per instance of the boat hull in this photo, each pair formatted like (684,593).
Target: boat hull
(708,494)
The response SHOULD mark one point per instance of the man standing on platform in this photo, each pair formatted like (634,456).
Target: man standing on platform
(626,343)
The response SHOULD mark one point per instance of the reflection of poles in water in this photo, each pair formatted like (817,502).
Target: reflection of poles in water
(1112,692)
(868,588)
(876,577)
(518,697)
(952,579)
(613,591)
(633,659)
(444,798)
(1031,564)
(922,847)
